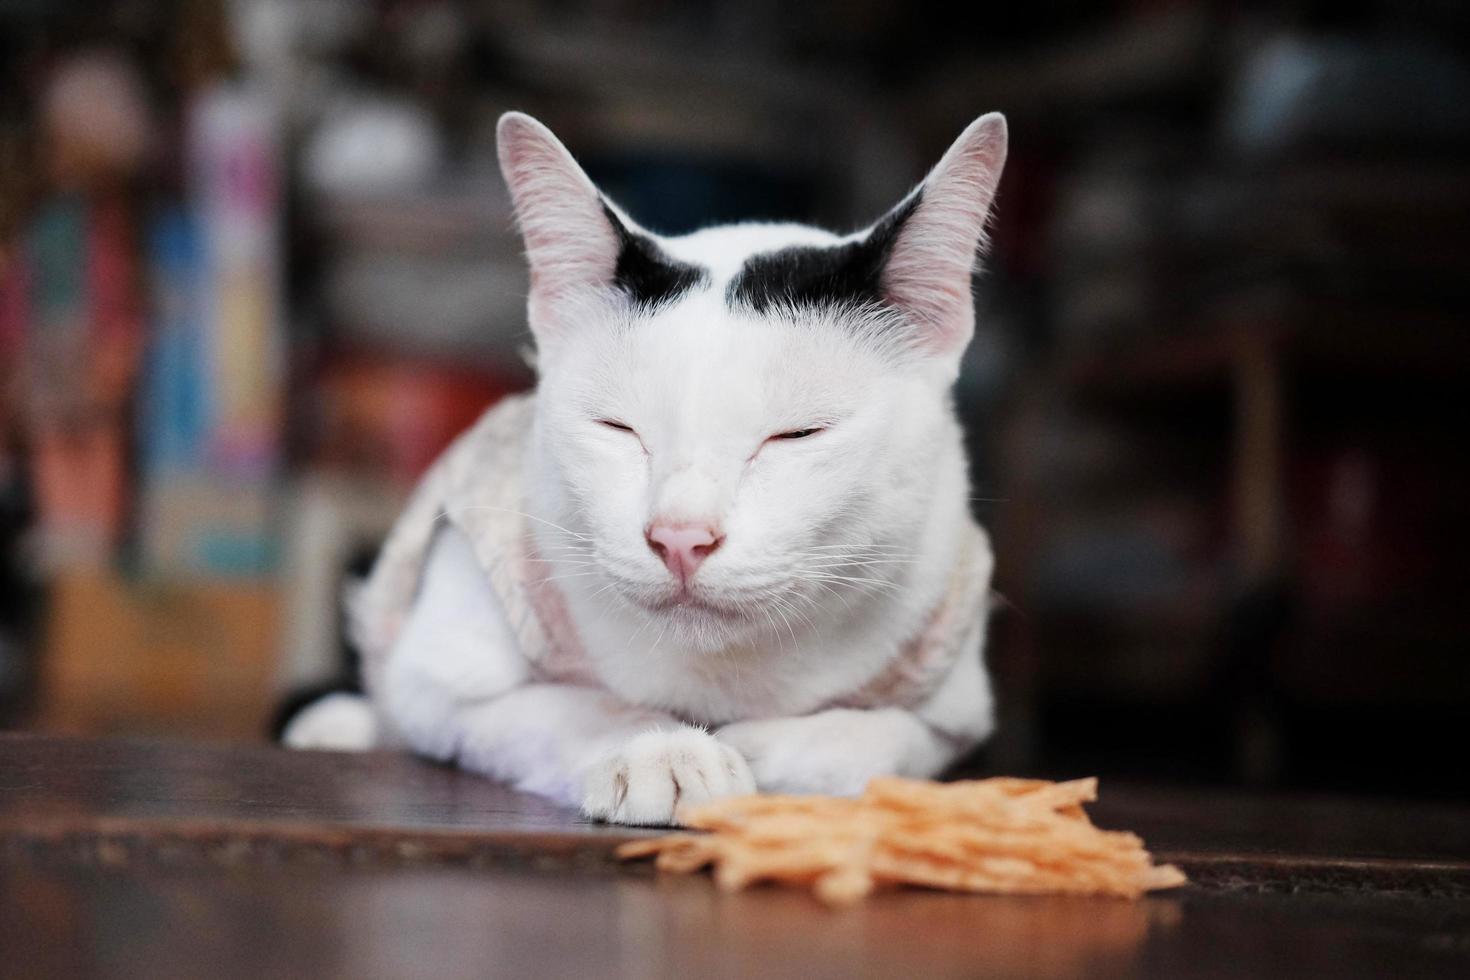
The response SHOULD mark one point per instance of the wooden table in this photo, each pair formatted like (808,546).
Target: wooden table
(153,859)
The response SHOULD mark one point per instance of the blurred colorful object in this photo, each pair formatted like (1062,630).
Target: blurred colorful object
(74,309)
(215,382)
(78,326)
(236,193)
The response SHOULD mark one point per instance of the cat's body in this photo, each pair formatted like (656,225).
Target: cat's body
(727,544)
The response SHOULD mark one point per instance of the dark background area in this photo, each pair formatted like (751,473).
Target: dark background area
(257,267)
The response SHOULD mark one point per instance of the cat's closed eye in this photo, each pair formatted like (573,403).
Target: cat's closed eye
(798,433)
(613,424)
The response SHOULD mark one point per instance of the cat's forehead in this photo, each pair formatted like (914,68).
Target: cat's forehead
(702,341)
(715,366)
(771,298)
(724,250)
(761,266)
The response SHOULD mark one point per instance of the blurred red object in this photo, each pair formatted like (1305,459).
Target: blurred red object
(392,416)
(1372,523)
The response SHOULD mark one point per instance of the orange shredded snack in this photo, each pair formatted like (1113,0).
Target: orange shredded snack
(1011,836)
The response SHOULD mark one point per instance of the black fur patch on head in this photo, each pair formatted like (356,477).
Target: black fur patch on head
(822,275)
(645,272)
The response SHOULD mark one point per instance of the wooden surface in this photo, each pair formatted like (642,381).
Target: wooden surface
(159,859)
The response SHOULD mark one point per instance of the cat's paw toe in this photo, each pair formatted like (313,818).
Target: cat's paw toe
(644,782)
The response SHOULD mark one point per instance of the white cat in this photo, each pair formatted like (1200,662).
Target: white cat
(727,543)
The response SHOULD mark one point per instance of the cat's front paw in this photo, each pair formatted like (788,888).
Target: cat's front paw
(643,782)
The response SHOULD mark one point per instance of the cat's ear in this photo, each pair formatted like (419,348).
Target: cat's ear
(939,231)
(571,243)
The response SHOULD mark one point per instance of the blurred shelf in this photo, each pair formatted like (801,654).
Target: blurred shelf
(1309,335)
(1308,341)
(1405,651)
(468,214)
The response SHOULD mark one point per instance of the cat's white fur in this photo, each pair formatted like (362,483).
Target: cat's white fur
(702,702)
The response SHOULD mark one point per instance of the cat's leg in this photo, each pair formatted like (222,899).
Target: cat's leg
(457,689)
(586,748)
(338,722)
(839,750)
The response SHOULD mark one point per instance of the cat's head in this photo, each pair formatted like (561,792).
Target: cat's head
(746,422)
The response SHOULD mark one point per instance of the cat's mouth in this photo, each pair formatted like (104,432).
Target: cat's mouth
(688,603)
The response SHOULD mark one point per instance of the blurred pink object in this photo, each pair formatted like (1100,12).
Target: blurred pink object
(78,324)
(97,118)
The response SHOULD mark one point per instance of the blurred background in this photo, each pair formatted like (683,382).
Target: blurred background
(257,267)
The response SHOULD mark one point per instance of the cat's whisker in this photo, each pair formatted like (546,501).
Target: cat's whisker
(869,584)
(811,603)
(855,547)
(563,578)
(791,596)
(660,637)
(733,661)
(530,517)
(780,608)
(772,624)
(872,575)
(859,583)
(853,557)
(573,549)
(846,605)
(866,561)
(573,562)
(1005,601)
(639,631)
(785,600)
(818,561)
(606,588)
(795,649)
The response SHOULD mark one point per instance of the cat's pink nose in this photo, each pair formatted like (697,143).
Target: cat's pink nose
(683,547)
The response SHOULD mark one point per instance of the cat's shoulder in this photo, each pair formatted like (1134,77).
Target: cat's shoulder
(496,440)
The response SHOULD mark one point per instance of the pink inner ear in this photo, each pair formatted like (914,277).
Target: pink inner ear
(569,243)
(928,273)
